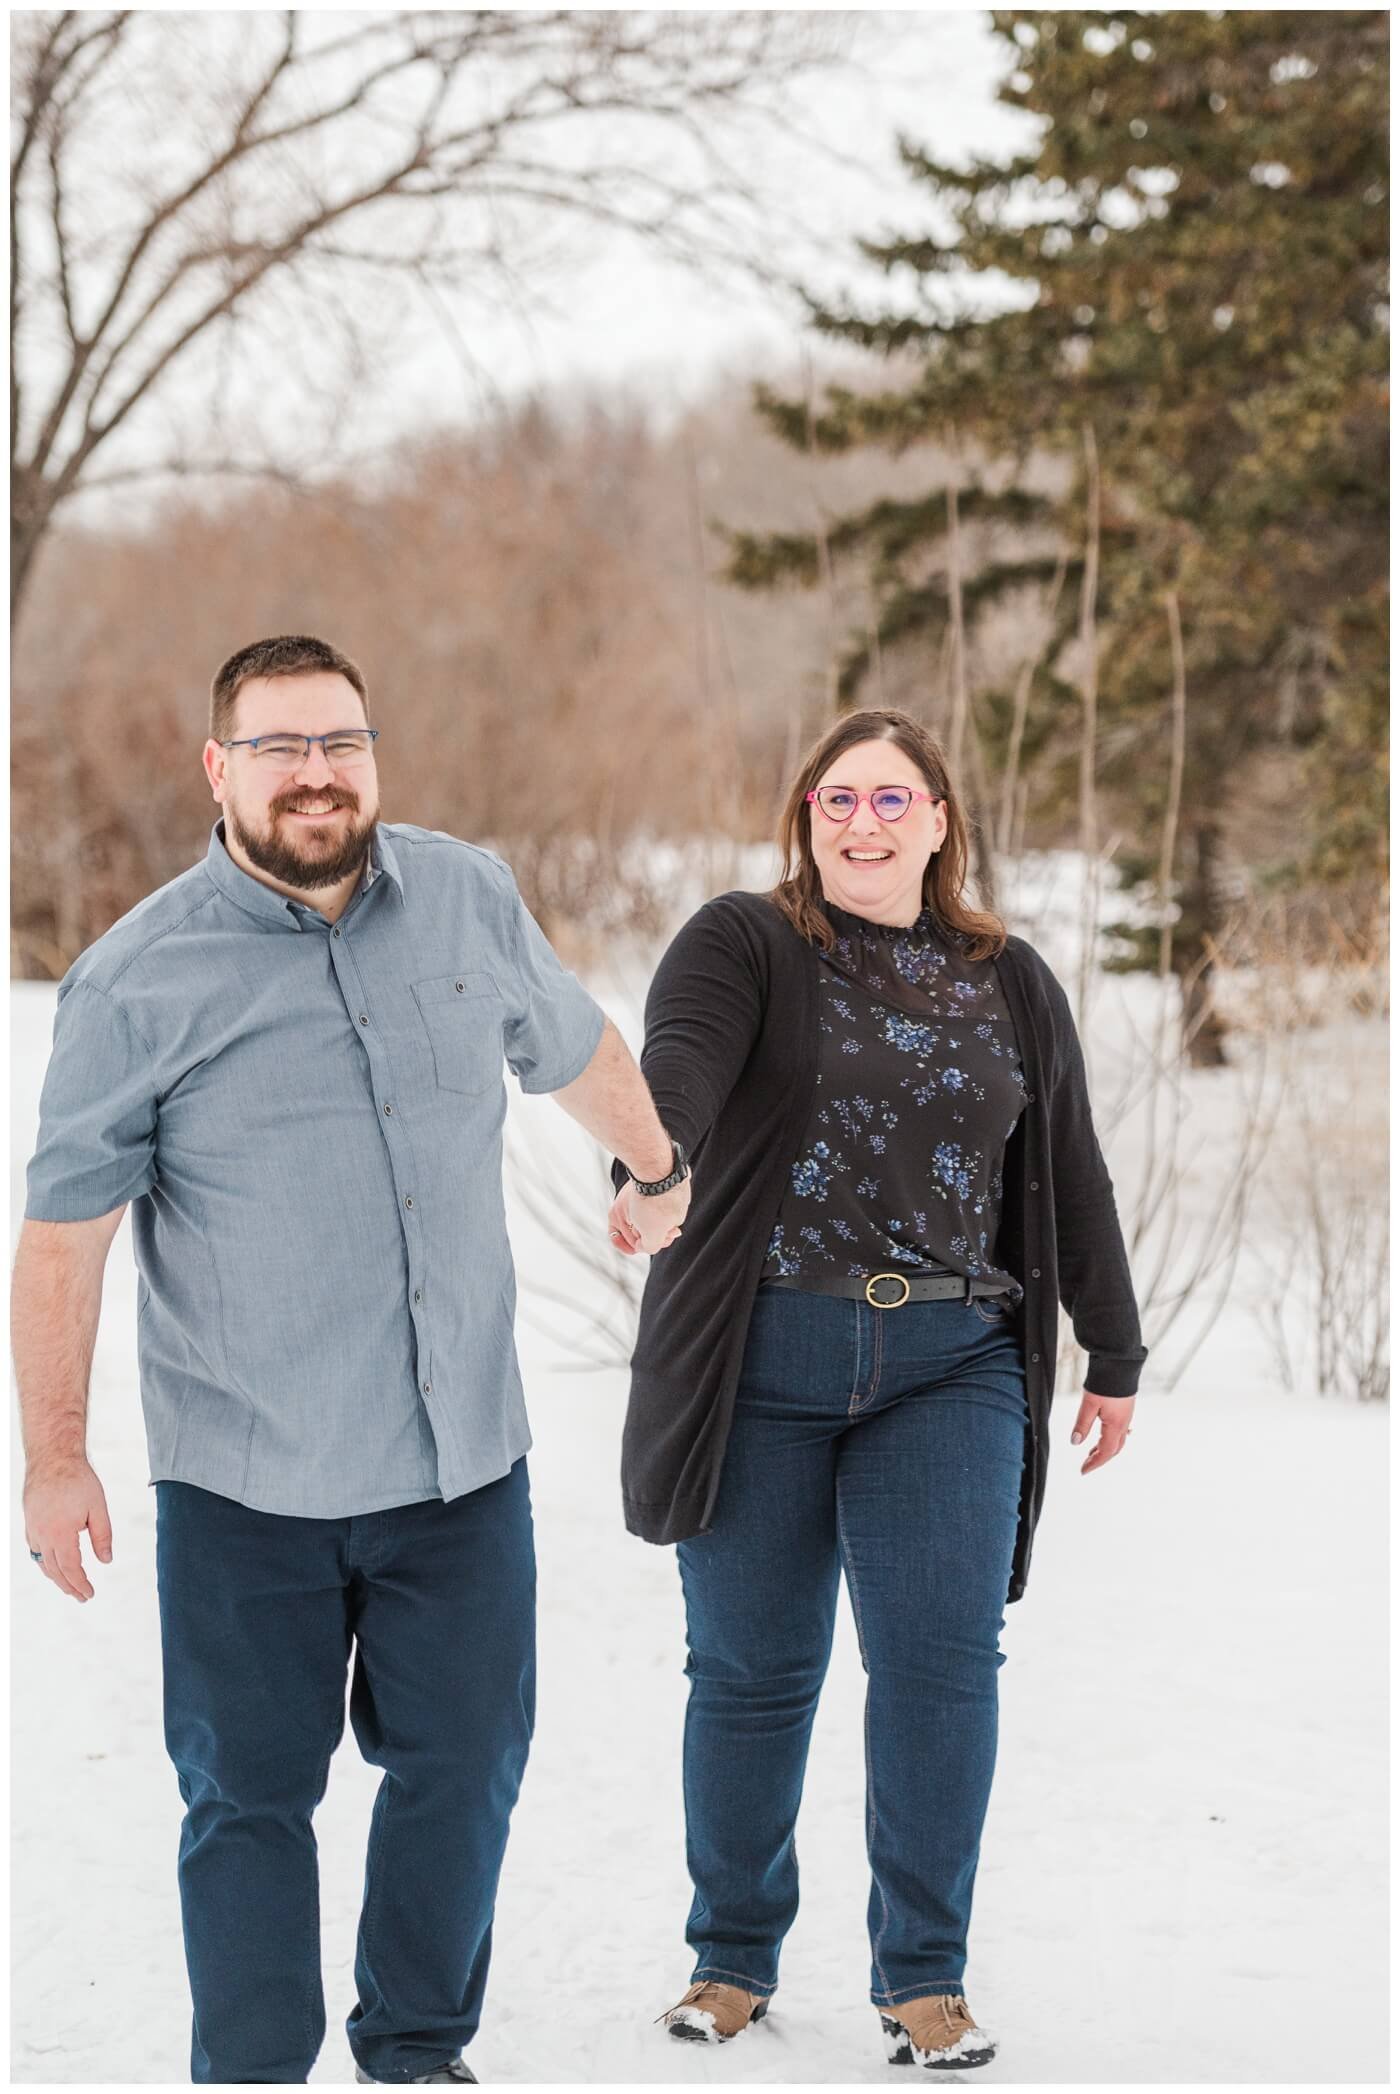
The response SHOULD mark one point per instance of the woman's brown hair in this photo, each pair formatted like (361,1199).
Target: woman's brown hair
(799,891)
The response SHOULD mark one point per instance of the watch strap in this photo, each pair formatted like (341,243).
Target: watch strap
(678,1175)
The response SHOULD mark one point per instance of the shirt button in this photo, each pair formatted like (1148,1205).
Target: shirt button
(458,986)
(1035,1185)
(389,1108)
(1035,1355)
(408,1199)
(418,1294)
(427,1388)
(336,932)
(1035,1269)
(364,1020)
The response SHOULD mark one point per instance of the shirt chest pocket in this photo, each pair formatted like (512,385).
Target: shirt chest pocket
(462,1014)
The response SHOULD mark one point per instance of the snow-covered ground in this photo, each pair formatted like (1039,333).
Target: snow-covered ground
(1183,1871)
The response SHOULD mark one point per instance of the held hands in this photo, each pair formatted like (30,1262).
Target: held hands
(638,1224)
(58,1504)
(1115,1416)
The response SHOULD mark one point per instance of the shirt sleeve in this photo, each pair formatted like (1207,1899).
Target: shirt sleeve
(555,1025)
(97,1112)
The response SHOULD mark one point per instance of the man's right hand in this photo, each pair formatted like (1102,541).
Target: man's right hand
(58,1504)
(662,1215)
(656,1220)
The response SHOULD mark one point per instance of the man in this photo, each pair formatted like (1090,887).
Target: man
(289,1062)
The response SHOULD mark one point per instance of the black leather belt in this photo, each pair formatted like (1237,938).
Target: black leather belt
(917,1286)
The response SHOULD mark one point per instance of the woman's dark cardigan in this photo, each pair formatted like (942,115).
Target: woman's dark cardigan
(731,1060)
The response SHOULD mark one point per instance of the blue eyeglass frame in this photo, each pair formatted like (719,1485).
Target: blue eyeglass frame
(309,739)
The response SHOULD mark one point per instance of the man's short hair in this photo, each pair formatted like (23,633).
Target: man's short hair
(290,654)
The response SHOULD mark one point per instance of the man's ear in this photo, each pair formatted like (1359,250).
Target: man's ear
(215,767)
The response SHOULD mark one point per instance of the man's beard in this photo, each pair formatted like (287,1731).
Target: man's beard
(311,864)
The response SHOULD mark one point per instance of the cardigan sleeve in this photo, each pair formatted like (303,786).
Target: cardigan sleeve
(1095,1282)
(704,1012)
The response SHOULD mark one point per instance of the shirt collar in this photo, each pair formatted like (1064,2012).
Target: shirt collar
(382,859)
(258,899)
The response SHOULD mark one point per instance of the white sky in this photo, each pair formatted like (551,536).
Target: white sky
(930,75)
(596,309)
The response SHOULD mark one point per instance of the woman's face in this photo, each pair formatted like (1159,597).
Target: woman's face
(871,867)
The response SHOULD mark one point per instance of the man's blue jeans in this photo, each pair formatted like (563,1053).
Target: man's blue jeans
(260,1615)
(887,1443)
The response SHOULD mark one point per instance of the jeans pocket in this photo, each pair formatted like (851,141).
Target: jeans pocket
(992,1308)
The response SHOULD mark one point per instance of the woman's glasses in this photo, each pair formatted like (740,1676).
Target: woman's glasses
(890,802)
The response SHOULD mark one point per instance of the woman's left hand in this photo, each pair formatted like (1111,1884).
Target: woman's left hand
(1115,1416)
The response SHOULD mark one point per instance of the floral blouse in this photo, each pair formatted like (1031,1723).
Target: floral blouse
(919,1086)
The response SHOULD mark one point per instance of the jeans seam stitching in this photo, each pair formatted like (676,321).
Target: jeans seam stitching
(373,1875)
(871,1820)
(853,1403)
(922,1992)
(315,1982)
(713,1970)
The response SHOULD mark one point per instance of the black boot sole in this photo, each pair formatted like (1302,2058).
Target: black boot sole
(686,2031)
(903,2053)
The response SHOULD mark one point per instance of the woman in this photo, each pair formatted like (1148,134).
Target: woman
(846,1361)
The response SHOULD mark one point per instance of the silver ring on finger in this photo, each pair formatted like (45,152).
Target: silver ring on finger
(36,1555)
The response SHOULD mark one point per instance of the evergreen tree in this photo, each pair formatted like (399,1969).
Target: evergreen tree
(1199,241)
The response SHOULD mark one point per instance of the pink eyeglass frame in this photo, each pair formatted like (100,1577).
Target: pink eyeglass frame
(841,819)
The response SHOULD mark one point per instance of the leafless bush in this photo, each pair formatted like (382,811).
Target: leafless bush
(1193,1146)
(1322,1259)
(555,667)
(587,1306)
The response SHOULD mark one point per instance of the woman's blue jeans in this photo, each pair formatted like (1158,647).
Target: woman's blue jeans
(887,1443)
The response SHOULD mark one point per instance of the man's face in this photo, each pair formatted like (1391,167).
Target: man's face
(306,824)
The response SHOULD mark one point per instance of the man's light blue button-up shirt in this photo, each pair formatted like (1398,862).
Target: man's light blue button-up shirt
(307,1121)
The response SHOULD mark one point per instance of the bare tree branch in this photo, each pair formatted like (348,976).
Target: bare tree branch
(43,78)
(324,153)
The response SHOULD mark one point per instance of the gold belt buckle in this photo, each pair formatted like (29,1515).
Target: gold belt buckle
(871,1281)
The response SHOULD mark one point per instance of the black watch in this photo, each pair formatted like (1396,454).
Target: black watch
(679,1174)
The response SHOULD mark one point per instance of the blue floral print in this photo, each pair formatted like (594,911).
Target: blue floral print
(917,1178)
(780,1260)
(952,1168)
(811,1174)
(908,1037)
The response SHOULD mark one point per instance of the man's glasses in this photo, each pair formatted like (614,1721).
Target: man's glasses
(288,752)
(890,802)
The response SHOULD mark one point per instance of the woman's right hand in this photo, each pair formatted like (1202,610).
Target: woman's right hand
(621,1234)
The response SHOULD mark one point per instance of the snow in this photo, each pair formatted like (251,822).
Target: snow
(698,2018)
(1182,1876)
(901,2049)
